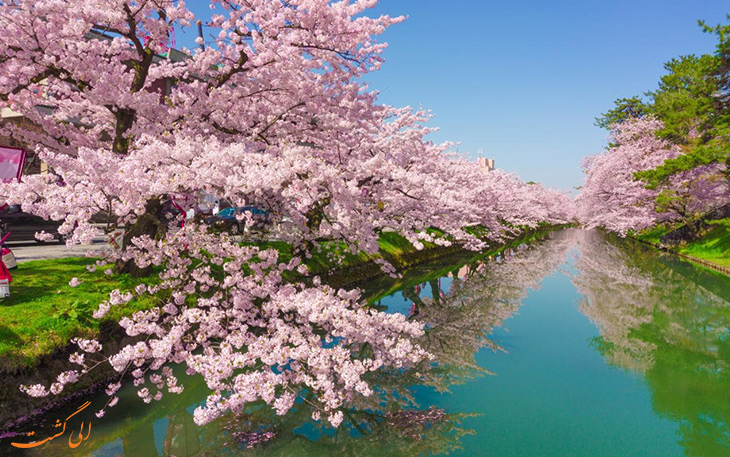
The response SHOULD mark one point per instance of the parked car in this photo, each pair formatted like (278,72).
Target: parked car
(226,220)
(23,226)
(169,213)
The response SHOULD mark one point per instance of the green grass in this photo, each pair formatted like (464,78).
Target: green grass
(714,246)
(653,235)
(43,312)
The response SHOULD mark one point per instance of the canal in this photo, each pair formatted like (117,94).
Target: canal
(581,344)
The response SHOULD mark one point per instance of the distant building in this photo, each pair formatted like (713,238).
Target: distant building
(486,163)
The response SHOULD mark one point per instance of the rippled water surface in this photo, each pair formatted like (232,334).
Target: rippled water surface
(579,345)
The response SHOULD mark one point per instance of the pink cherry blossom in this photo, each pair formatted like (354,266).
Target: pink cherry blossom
(611,197)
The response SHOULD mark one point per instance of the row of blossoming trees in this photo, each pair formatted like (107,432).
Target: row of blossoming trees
(668,160)
(613,197)
(270,110)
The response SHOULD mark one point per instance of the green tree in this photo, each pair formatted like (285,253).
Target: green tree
(693,101)
(685,100)
(722,71)
(625,108)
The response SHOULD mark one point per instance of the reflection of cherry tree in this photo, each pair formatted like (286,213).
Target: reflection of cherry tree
(615,298)
(671,320)
(426,432)
(481,297)
(623,291)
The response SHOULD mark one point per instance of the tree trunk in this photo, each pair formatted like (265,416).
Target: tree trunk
(149,224)
(315,216)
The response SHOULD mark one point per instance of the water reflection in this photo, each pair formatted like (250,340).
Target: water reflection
(669,321)
(464,307)
(460,307)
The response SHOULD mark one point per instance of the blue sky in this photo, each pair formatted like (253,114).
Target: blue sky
(523,80)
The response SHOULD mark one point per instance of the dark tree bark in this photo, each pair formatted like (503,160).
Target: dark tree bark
(150,223)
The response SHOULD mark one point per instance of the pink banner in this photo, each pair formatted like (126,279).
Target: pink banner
(11,163)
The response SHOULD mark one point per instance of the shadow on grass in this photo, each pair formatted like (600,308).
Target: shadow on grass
(7,336)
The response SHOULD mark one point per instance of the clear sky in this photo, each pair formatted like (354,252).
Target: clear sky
(523,80)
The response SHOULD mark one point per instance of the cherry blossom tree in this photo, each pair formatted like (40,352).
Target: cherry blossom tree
(272,111)
(690,194)
(612,197)
(280,79)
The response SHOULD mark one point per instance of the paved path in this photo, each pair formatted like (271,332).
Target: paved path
(25,251)
(31,250)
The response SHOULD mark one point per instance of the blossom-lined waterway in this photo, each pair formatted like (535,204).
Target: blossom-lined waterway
(581,344)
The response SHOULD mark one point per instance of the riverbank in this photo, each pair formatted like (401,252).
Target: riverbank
(711,250)
(37,326)
(44,312)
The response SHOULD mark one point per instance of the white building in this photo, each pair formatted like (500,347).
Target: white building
(486,163)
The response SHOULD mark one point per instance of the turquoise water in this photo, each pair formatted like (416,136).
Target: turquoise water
(553,394)
(580,345)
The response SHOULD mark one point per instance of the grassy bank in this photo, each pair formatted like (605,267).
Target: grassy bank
(386,285)
(712,248)
(44,312)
